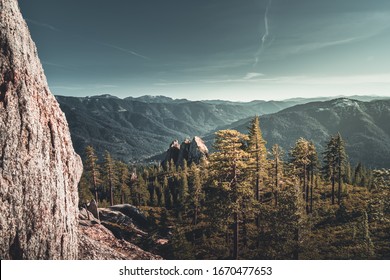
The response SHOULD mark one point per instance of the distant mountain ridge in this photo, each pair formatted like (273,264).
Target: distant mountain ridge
(363,125)
(135,129)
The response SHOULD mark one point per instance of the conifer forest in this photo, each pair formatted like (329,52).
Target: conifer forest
(244,201)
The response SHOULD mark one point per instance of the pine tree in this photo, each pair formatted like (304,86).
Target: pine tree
(92,170)
(348,173)
(158,190)
(85,194)
(258,155)
(313,168)
(276,169)
(140,192)
(341,158)
(167,193)
(304,159)
(228,166)
(334,164)
(183,190)
(123,180)
(196,193)
(367,244)
(110,176)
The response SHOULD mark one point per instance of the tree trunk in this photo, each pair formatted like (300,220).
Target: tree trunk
(258,196)
(95,186)
(235,237)
(306,183)
(196,216)
(311,191)
(339,183)
(332,190)
(276,198)
(111,195)
(123,198)
(244,230)
(296,247)
(276,180)
(96,196)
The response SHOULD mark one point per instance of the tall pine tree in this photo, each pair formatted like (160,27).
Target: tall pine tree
(110,176)
(335,159)
(92,170)
(229,172)
(258,163)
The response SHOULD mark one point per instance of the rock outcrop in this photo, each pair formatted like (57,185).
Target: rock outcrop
(190,151)
(108,239)
(198,150)
(98,243)
(138,218)
(173,153)
(39,170)
(92,207)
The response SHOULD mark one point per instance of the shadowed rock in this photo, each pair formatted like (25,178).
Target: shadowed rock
(92,207)
(189,151)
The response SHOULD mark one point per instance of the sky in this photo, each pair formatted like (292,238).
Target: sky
(237,50)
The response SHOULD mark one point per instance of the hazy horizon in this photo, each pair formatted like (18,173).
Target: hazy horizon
(373,97)
(203,50)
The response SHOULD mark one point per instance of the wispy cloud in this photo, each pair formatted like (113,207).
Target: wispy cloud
(57,65)
(248,78)
(118,48)
(42,24)
(84,88)
(252,75)
(125,50)
(312,46)
(70,88)
(265,35)
(325,32)
(383,78)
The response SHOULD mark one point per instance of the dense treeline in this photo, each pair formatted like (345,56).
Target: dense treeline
(246,202)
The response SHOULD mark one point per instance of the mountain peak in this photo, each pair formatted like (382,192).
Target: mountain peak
(345,102)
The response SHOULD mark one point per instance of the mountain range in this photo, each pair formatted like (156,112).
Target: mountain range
(136,129)
(363,125)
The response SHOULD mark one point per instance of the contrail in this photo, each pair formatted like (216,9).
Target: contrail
(265,35)
(126,51)
(41,24)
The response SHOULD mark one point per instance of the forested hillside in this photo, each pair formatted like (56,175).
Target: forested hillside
(244,201)
(133,129)
(136,129)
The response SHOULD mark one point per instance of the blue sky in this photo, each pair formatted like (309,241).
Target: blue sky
(213,49)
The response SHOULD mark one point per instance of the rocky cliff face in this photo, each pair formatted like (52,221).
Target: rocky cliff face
(190,151)
(39,169)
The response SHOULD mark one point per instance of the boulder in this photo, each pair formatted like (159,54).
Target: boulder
(39,169)
(87,218)
(92,207)
(98,243)
(137,217)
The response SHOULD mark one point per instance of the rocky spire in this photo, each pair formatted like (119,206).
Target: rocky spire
(39,170)
(190,151)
